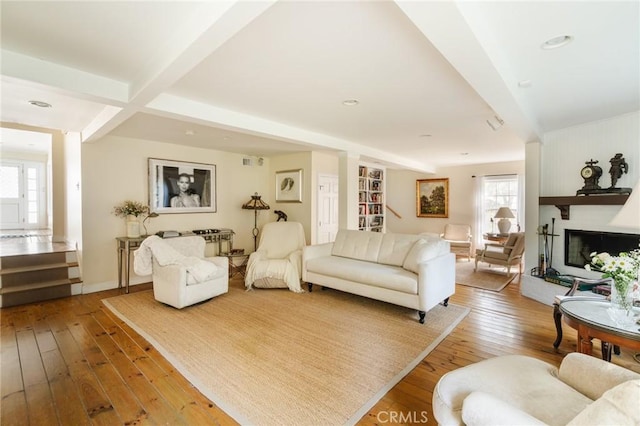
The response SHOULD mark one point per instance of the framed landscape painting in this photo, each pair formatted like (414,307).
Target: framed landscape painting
(181,187)
(432,197)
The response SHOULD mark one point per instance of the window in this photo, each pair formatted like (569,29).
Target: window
(498,191)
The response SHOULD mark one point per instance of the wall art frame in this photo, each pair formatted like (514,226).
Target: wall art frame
(432,197)
(289,186)
(181,187)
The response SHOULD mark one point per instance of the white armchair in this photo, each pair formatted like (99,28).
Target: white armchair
(520,390)
(174,285)
(278,261)
(459,238)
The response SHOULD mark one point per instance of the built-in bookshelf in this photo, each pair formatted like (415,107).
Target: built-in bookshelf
(371,191)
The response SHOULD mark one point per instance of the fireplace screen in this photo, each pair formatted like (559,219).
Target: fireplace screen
(578,245)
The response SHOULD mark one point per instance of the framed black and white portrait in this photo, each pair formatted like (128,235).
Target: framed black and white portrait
(181,187)
(289,186)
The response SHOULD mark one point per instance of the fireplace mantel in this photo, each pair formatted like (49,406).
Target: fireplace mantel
(565,203)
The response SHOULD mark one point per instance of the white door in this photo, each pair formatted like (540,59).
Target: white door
(327,208)
(22,195)
(11,191)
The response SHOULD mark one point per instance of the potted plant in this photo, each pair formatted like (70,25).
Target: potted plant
(130,210)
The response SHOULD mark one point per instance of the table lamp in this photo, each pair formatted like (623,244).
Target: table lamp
(504,224)
(255,204)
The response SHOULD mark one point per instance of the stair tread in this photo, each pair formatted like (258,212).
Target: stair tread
(27,287)
(41,267)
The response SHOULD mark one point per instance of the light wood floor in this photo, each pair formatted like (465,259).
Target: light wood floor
(71,362)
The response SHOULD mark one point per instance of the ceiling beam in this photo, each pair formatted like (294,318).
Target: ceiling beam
(200,113)
(211,25)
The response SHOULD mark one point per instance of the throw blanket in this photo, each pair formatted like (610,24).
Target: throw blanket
(156,247)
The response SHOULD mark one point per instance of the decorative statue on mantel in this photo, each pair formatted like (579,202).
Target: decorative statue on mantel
(618,167)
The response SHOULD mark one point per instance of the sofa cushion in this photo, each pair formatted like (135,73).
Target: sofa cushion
(361,245)
(617,406)
(374,274)
(420,251)
(395,247)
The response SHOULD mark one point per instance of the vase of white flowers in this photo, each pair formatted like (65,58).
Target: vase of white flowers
(623,270)
(130,210)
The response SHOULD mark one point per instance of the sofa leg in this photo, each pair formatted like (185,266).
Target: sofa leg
(445,302)
(310,286)
(421,314)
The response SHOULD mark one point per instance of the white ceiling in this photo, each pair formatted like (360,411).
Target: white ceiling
(269,77)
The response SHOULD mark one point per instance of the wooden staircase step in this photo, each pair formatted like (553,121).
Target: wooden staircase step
(42,267)
(34,286)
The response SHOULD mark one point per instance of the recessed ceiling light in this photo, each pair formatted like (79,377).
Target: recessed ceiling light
(350,102)
(189,132)
(524,83)
(426,135)
(464,153)
(40,104)
(555,42)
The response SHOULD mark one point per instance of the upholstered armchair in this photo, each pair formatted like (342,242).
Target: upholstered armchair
(459,238)
(508,255)
(278,261)
(182,275)
(521,390)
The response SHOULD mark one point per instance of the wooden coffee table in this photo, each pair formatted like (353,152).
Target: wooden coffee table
(592,321)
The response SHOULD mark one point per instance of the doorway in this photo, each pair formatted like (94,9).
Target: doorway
(327,225)
(23,195)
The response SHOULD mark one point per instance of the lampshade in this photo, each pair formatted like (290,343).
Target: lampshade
(255,203)
(504,224)
(629,214)
(504,213)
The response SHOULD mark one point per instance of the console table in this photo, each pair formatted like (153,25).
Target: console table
(126,246)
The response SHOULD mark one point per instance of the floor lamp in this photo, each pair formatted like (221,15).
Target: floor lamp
(255,204)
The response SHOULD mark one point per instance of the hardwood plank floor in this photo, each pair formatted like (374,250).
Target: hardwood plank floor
(71,361)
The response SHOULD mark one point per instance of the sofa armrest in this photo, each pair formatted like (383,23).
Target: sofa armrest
(312,252)
(483,409)
(220,261)
(592,376)
(436,280)
(316,250)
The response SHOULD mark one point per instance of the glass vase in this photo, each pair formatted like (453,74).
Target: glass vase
(133,227)
(621,309)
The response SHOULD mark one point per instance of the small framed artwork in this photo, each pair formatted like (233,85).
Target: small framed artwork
(181,187)
(432,197)
(289,186)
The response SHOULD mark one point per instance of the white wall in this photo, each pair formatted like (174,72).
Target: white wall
(296,212)
(115,169)
(562,155)
(73,193)
(401,196)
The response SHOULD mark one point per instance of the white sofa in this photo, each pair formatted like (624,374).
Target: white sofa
(521,390)
(416,271)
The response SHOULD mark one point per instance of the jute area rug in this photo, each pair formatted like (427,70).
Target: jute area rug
(488,277)
(273,357)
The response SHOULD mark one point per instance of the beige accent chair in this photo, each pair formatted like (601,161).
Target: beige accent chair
(521,390)
(459,238)
(508,255)
(278,261)
(174,285)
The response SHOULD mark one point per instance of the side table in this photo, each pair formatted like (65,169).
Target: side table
(499,238)
(237,263)
(126,246)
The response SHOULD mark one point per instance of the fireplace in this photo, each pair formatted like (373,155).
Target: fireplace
(578,245)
